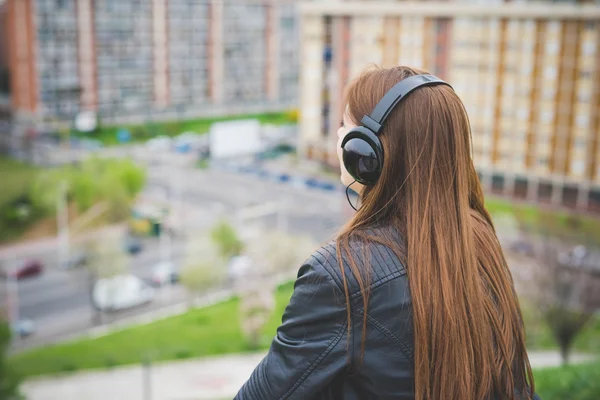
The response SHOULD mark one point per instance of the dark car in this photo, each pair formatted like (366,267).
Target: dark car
(27,269)
(133,245)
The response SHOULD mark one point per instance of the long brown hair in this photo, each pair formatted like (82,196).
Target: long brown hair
(468,332)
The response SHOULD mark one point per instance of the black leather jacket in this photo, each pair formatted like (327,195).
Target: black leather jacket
(311,357)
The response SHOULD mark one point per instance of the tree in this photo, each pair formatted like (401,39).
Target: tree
(106,258)
(277,253)
(115,182)
(204,267)
(565,279)
(226,239)
(272,255)
(9,379)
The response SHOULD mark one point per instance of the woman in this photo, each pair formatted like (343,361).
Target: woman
(413,300)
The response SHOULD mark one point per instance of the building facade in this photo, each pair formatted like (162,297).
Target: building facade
(529,75)
(131,60)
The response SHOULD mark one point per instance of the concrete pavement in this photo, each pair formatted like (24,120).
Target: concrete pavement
(201,379)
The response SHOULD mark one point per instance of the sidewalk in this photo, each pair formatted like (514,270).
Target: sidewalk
(216,378)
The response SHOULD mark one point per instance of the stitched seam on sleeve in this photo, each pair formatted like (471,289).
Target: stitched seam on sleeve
(316,363)
(266,379)
(380,327)
(329,348)
(341,289)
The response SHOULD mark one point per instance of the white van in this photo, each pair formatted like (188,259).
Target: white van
(121,292)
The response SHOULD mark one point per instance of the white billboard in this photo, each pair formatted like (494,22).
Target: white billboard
(235,138)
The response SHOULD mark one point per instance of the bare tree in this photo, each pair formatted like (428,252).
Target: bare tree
(564,276)
(106,258)
(203,268)
(273,257)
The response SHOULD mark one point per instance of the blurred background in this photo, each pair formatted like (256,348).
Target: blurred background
(167,165)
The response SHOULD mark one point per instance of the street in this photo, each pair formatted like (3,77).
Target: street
(58,301)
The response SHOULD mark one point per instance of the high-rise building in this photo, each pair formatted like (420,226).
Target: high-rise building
(529,75)
(129,60)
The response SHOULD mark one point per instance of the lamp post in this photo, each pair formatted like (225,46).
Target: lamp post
(63,223)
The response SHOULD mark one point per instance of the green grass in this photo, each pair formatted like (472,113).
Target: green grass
(539,336)
(209,331)
(16,178)
(143,132)
(550,220)
(202,332)
(501,206)
(577,382)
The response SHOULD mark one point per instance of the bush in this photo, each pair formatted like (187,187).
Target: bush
(226,239)
(17,213)
(110,362)
(183,354)
(580,382)
(115,182)
(9,379)
(68,367)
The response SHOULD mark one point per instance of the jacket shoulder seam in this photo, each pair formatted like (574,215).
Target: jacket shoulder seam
(381,281)
(356,292)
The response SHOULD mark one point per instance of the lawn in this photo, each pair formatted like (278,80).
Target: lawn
(202,332)
(588,225)
(577,382)
(108,134)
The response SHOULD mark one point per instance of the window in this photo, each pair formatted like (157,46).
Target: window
(578,167)
(522,114)
(583,121)
(551,48)
(580,143)
(590,26)
(583,97)
(546,116)
(550,72)
(589,48)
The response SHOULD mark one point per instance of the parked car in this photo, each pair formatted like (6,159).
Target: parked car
(159,143)
(23,327)
(238,267)
(29,268)
(522,247)
(164,273)
(133,245)
(77,259)
(121,292)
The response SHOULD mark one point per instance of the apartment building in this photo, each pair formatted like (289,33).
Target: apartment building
(131,60)
(529,75)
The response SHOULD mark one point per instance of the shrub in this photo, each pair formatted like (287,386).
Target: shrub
(580,382)
(182,354)
(110,362)
(68,367)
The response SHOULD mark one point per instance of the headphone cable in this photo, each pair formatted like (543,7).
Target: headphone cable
(348,195)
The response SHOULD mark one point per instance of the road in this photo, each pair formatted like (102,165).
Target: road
(58,301)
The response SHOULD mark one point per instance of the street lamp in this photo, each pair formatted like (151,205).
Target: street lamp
(63,223)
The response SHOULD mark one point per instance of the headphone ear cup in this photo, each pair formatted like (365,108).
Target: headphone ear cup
(362,155)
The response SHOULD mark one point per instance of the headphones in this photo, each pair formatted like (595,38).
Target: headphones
(362,149)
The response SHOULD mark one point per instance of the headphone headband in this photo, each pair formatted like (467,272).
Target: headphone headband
(397,93)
